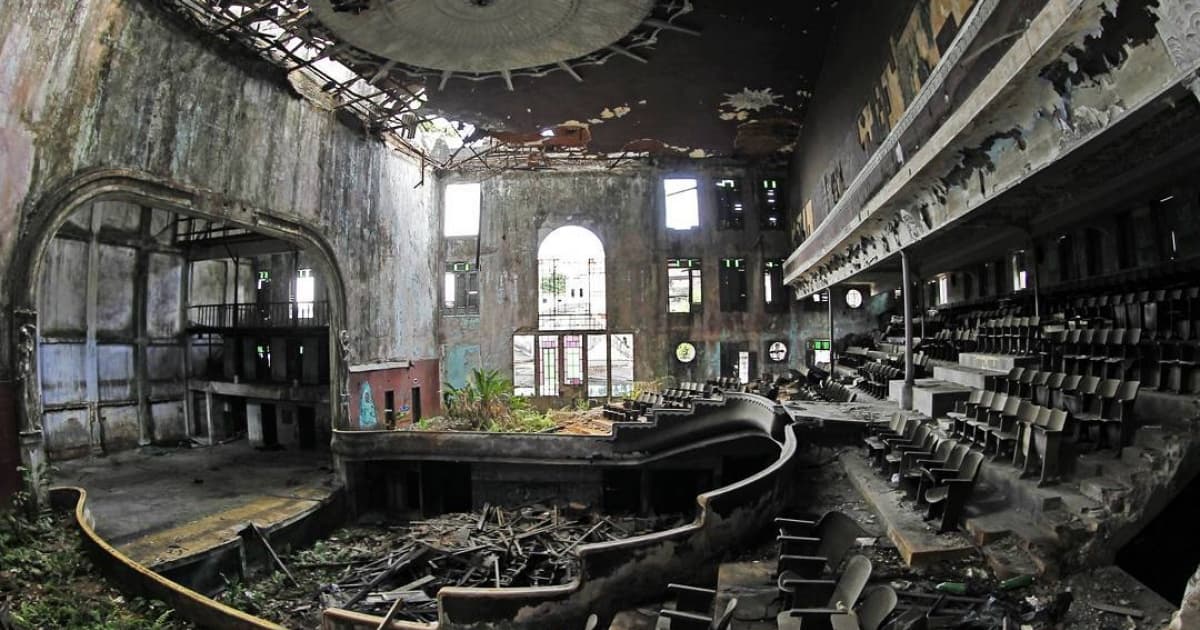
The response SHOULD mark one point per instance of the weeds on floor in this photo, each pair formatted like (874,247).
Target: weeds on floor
(46,581)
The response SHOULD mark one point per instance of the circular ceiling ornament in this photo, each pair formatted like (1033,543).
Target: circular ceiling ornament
(481,36)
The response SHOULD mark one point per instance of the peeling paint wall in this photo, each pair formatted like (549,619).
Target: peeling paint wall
(111,83)
(625,209)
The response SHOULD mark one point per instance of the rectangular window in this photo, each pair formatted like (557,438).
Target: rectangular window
(597,365)
(548,360)
(306,293)
(461,210)
(461,289)
(730,209)
(775,295)
(572,360)
(733,284)
(682,203)
(524,373)
(821,351)
(1020,272)
(622,364)
(943,290)
(683,285)
(770,204)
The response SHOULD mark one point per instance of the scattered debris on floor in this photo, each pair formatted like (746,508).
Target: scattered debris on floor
(370,569)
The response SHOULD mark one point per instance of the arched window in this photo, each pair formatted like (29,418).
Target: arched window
(571,281)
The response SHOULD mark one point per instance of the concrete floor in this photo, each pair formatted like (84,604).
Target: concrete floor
(159,504)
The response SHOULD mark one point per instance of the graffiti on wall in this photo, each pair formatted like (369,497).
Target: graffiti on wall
(367,418)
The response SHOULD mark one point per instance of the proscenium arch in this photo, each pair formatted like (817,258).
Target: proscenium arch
(39,227)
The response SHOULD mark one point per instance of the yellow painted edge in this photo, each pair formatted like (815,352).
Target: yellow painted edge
(178,590)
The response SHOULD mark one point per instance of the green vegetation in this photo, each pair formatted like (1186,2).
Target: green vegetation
(487,403)
(554,284)
(46,580)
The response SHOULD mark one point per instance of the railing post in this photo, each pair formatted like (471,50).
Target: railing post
(906,392)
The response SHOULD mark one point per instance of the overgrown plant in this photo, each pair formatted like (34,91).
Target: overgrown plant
(487,403)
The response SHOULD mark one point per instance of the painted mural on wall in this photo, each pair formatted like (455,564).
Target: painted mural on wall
(914,52)
(367,418)
(912,55)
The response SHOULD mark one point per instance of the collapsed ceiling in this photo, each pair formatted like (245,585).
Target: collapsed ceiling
(527,79)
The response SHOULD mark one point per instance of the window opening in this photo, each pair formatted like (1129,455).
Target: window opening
(774,293)
(1126,254)
(306,293)
(572,360)
(685,352)
(524,373)
(821,349)
(571,281)
(548,359)
(683,285)
(730,209)
(743,367)
(622,364)
(777,352)
(1020,278)
(461,288)
(733,284)
(943,287)
(770,203)
(682,204)
(461,210)
(597,365)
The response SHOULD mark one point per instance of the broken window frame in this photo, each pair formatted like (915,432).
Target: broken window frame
(306,294)
(460,289)
(545,362)
(681,203)
(731,209)
(1020,270)
(772,208)
(684,273)
(734,286)
(776,295)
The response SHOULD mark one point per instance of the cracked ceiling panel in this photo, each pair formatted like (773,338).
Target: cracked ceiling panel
(583,78)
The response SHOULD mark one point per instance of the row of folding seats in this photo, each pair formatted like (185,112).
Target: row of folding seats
(1009,335)
(876,376)
(835,391)
(1162,313)
(937,472)
(1164,364)
(630,409)
(1027,413)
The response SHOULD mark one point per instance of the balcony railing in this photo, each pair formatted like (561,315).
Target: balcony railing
(268,315)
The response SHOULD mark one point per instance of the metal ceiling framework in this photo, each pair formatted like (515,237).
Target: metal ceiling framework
(387,95)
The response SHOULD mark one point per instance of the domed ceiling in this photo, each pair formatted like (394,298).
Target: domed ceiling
(593,78)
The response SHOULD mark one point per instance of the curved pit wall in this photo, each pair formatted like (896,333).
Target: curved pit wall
(134,578)
(613,575)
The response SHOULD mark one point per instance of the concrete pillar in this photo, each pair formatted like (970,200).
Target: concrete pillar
(91,350)
(141,289)
(208,416)
(832,350)
(906,392)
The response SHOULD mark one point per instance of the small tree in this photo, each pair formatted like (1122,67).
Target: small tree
(554,284)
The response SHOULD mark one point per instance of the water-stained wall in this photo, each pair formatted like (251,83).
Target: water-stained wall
(115,84)
(625,209)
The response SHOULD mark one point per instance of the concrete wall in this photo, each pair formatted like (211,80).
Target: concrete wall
(625,209)
(113,84)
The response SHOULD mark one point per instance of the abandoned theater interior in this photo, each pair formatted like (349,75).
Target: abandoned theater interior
(587,314)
